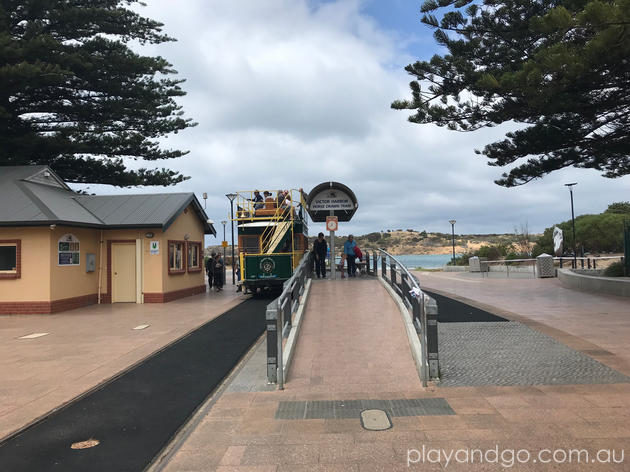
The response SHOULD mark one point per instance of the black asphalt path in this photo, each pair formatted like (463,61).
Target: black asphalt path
(135,415)
(453,311)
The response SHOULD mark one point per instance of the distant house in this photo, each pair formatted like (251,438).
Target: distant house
(61,250)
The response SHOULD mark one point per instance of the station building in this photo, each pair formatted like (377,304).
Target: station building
(61,250)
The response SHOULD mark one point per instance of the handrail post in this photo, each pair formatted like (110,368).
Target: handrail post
(280,328)
(271,317)
(375,263)
(418,311)
(392,273)
(384,266)
(431,311)
(404,286)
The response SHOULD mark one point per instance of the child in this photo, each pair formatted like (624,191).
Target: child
(341,264)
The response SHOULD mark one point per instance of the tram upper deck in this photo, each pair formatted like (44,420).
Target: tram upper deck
(272,235)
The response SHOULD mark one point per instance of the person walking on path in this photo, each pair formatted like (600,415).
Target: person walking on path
(210,269)
(218,272)
(348,250)
(320,248)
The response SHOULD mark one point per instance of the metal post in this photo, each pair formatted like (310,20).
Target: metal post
(423,341)
(272,341)
(231,197)
(392,273)
(573,221)
(384,266)
(280,327)
(452,222)
(404,286)
(333,266)
(224,261)
(375,263)
(431,310)
(232,231)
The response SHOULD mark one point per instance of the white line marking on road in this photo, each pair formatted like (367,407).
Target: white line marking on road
(33,335)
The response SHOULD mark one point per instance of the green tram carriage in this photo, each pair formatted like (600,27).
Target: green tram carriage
(272,237)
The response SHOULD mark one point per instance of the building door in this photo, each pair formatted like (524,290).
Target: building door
(123,273)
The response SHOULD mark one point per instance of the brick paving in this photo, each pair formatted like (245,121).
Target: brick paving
(86,347)
(353,348)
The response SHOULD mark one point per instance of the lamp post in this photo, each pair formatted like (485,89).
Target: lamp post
(573,222)
(452,222)
(231,197)
(224,269)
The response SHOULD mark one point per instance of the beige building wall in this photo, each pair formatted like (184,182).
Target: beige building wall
(69,281)
(43,279)
(186,224)
(34,282)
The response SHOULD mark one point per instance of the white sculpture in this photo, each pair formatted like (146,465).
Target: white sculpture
(557,241)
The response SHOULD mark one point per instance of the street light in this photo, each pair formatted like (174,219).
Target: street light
(452,222)
(573,221)
(224,269)
(231,197)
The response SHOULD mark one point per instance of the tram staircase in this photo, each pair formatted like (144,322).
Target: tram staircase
(274,237)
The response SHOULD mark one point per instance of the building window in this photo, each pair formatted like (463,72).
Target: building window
(194,257)
(69,250)
(10,259)
(176,257)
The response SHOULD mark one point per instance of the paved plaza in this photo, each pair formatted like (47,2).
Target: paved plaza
(352,354)
(87,346)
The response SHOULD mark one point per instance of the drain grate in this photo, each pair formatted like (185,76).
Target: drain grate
(339,409)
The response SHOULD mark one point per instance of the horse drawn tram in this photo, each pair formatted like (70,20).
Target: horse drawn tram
(272,236)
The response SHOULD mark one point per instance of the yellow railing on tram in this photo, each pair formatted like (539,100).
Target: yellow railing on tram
(272,207)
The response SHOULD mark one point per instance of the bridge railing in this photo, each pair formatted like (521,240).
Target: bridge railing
(279,318)
(423,310)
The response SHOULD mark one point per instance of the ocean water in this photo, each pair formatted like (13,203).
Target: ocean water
(426,261)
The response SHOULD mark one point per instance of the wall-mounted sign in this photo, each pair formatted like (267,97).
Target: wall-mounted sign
(331,199)
(154,248)
(68,250)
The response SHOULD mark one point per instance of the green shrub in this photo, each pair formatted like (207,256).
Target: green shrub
(614,270)
(595,233)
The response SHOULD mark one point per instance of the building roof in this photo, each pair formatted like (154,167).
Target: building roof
(35,195)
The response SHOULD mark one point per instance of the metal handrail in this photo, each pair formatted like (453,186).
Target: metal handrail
(278,316)
(418,305)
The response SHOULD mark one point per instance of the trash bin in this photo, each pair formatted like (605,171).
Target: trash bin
(544,266)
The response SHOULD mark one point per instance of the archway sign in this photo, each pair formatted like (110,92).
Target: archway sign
(331,199)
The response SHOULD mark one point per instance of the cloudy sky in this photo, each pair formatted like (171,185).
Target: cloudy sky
(292,93)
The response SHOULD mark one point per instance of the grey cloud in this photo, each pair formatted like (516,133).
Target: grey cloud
(289,95)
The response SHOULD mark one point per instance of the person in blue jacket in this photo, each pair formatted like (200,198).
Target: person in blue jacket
(348,250)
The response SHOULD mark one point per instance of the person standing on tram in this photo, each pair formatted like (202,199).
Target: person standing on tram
(320,248)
